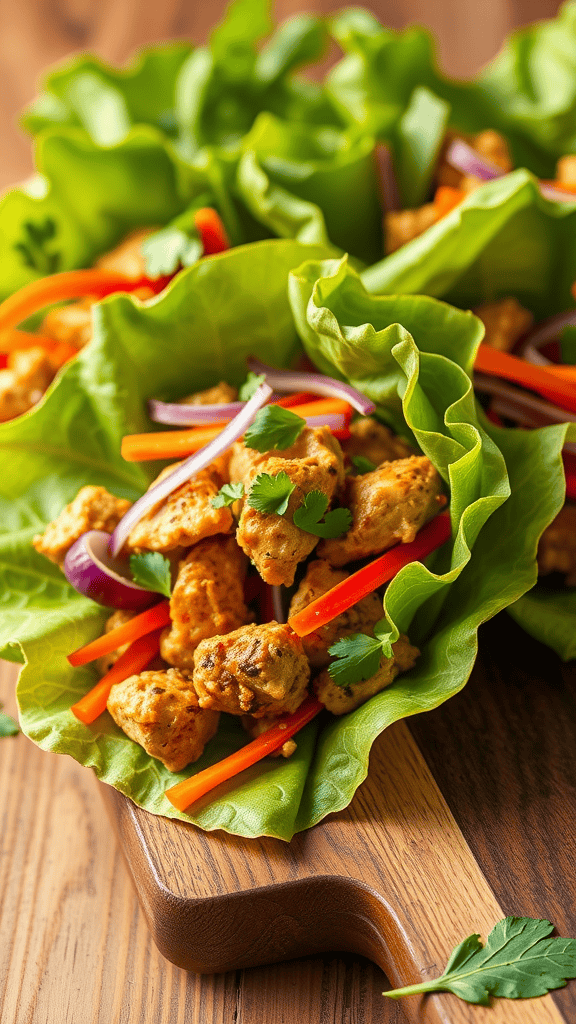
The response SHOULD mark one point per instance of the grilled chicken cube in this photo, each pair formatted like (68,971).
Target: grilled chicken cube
(505,321)
(566,170)
(256,726)
(126,258)
(24,381)
(207,600)
(375,442)
(361,618)
(256,670)
(401,226)
(186,516)
(341,699)
(557,547)
(160,711)
(388,505)
(93,508)
(118,618)
(273,542)
(220,394)
(71,323)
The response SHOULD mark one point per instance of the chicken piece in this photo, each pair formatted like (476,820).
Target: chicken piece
(361,618)
(72,323)
(93,508)
(126,257)
(118,618)
(160,711)
(341,699)
(256,670)
(186,516)
(275,545)
(505,321)
(387,506)
(566,170)
(557,547)
(375,442)
(256,726)
(488,144)
(401,226)
(220,394)
(207,600)
(24,381)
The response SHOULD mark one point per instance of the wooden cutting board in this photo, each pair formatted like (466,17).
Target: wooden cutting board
(391,878)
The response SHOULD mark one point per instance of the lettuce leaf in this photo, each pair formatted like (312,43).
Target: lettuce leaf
(230,305)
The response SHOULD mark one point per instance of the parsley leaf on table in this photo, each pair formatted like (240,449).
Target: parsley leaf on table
(274,427)
(151,570)
(250,386)
(519,961)
(227,495)
(8,726)
(362,464)
(309,514)
(358,658)
(271,493)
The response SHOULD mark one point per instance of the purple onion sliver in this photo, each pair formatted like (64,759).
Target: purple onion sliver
(174,414)
(333,420)
(315,383)
(278,604)
(202,458)
(510,401)
(467,160)
(388,186)
(546,330)
(90,570)
(556,194)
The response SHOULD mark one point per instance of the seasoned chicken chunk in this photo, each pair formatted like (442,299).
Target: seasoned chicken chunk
(275,545)
(118,618)
(186,516)
(401,226)
(24,381)
(505,321)
(93,508)
(256,726)
(566,170)
(256,670)
(387,506)
(126,257)
(557,547)
(72,323)
(160,711)
(220,394)
(341,699)
(361,618)
(375,442)
(207,599)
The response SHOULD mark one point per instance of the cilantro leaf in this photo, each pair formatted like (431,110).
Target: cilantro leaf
(33,250)
(8,727)
(273,427)
(227,495)
(519,961)
(166,250)
(250,385)
(151,570)
(362,464)
(309,514)
(358,658)
(271,493)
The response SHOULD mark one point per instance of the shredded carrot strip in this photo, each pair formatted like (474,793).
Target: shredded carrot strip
(562,186)
(190,790)
(146,622)
(351,590)
(72,284)
(446,198)
(211,230)
(537,378)
(134,660)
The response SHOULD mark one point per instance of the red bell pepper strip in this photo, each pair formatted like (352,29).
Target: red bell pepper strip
(211,230)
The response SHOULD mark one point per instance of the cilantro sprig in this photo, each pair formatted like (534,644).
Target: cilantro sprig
(519,961)
(363,465)
(35,250)
(151,570)
(357,657)
(250,385)
(227,495)
(168,249)
(308,517)
(274,428)
(271,494)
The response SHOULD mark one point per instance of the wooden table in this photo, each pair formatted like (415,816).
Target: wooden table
(74,946)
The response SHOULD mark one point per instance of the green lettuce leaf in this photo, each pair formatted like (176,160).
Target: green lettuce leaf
(231,305)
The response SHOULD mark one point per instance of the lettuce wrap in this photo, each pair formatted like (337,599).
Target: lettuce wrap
(412,355)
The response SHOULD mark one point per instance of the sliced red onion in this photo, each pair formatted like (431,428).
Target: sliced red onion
(467,160)
(278,604)
(202,458)
(333,420)
(388,186)
(520,405)
(315,383)
(176,415)
(91,571)
(547,330)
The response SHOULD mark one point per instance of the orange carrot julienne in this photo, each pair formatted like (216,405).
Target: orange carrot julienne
(351,590)
(562,186)
(446,198)
(134,660)
(211,230)
(145,622)
(71,284)
(190,790)
(537,378)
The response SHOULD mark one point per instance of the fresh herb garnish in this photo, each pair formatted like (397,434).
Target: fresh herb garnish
(168,249)
(227,495)
(151,570)
(308,515)
(250,385)
(362,464)
(274,427)
(8,727)
(34,251)
(358,658)
(271,493)
(519,961)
